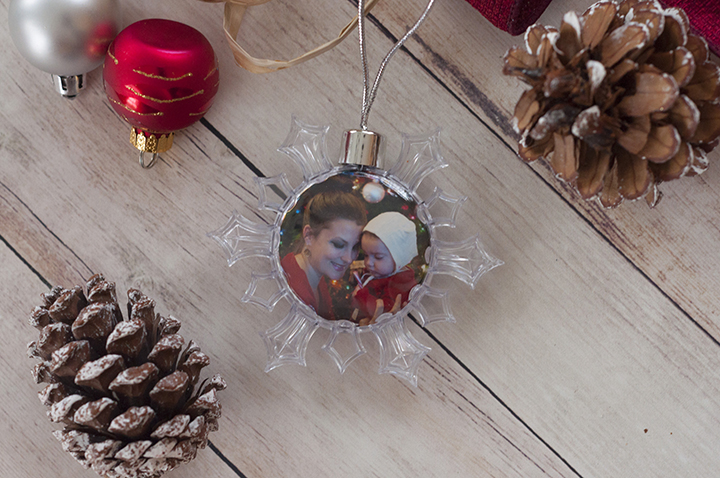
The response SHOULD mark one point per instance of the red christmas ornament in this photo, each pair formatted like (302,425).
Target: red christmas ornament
(160,76)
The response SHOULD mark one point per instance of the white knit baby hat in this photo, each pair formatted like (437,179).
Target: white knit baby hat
(398,234)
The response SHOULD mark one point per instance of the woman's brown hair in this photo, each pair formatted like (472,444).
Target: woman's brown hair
(328,206)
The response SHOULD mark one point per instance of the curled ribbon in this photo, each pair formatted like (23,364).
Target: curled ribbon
(232,19)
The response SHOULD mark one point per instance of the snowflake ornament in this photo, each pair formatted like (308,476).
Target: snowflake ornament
(292,244)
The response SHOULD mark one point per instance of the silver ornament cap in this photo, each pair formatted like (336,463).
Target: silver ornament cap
(69,86)
(362,148)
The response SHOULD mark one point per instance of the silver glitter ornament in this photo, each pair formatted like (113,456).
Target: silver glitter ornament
(65,38)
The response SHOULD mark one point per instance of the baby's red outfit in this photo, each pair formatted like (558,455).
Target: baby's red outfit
(386,289)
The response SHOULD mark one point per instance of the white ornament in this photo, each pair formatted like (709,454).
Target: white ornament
(373,192)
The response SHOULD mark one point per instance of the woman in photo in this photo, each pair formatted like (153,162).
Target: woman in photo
(329,242)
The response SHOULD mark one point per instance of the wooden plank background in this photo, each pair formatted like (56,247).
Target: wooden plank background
(592,353)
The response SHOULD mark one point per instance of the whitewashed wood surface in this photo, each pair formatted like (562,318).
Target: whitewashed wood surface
(593,352)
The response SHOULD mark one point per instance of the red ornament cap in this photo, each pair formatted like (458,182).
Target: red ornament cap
(160,75)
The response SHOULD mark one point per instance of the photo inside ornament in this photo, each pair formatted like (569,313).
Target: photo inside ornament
(352,246)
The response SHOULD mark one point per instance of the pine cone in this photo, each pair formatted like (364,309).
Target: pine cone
(123,389)
(623,98)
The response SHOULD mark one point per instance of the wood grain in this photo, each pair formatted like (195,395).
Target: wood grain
(577,358)
(671,244)
(148,227)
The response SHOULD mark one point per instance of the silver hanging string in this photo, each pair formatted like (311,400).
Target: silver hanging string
(363,55)
(369,97)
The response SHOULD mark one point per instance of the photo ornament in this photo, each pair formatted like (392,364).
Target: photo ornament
(352,247)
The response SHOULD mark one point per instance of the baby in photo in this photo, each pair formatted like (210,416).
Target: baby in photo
(389,242)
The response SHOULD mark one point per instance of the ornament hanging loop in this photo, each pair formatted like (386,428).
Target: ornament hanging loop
(149,164)
(150,143)
(369,93)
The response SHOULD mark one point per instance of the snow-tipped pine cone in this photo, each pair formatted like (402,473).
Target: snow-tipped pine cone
(122,389)
(623,98)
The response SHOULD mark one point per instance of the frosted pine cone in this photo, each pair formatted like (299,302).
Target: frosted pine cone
(623,98)
(123,389)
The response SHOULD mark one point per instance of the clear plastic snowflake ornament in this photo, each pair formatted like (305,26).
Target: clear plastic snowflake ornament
(353,249)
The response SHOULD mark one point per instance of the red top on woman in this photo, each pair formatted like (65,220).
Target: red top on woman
(298,282)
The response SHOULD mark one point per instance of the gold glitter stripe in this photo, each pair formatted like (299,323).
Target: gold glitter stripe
(112,56)
(210,74)
(157,100)
(159,113)
(158,77)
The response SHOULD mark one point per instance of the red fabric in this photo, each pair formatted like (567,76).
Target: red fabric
(386,289)
(704,17)
(298,282)
(512,16)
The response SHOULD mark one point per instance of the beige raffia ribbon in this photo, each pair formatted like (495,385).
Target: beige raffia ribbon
(232,19)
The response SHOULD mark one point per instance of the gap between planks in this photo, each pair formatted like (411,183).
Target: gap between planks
(492,130)
(258,172)
(42,279)
(553,187)
(429,334)
(26,263)
(225,460)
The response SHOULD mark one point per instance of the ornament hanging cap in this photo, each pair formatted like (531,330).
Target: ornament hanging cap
(361,147)
(69,86)
(153,143)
